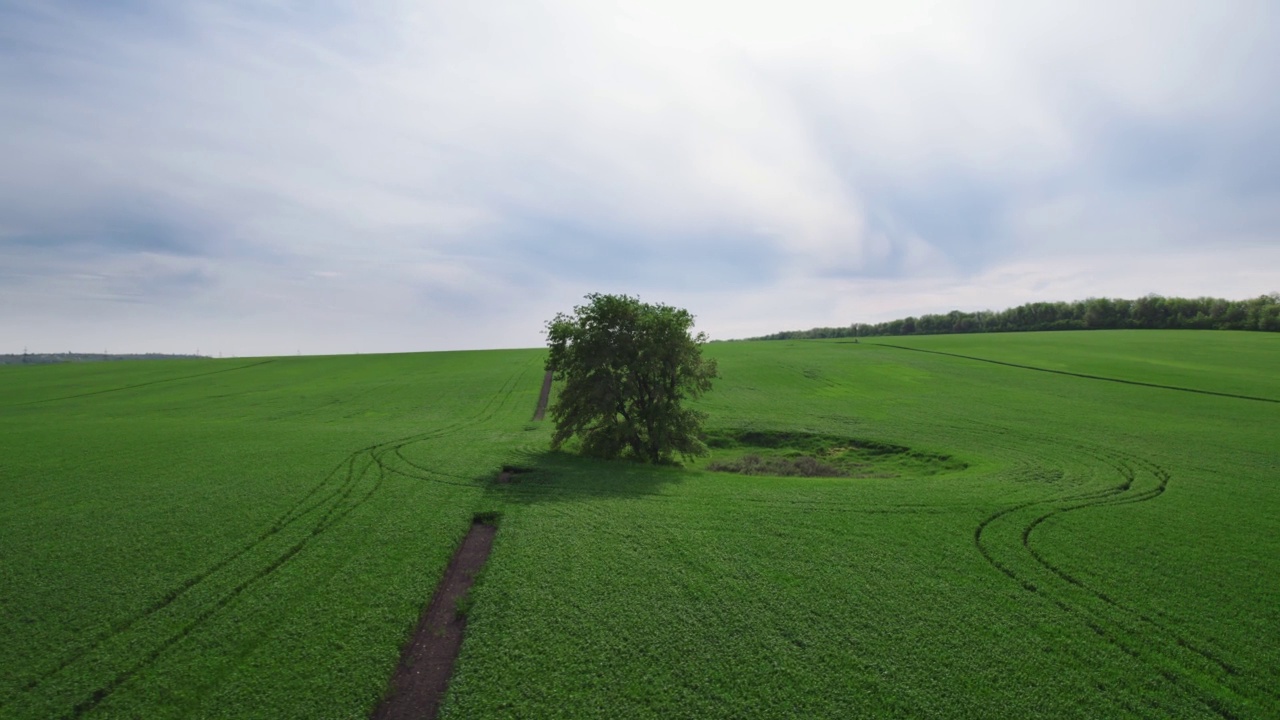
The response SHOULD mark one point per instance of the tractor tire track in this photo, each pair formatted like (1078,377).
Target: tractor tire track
(1044,589)
(333,514)
(138,385)
(119,627)
(292,514)
(347,502)
(1176,659)
(1226,673)
(1086,376)
(333,506)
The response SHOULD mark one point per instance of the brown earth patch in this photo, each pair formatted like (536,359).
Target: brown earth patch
(541,410)
(508,474)
(426,663)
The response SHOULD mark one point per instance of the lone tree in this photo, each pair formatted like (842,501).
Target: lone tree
(626,366)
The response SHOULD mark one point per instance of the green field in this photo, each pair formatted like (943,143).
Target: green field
(255,538)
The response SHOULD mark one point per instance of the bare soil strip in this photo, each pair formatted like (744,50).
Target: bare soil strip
(542,399)
(426,664)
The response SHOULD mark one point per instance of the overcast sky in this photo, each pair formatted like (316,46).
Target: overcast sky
(272,177)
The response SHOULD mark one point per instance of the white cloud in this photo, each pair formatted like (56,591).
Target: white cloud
(767,163)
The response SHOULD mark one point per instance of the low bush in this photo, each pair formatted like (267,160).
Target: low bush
(803,466)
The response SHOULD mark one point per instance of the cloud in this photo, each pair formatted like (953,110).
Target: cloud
(393,175)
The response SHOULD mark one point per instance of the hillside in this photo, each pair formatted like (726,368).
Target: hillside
(1068,524)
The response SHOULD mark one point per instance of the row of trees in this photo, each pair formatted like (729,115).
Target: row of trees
(626,367)
(1150,312)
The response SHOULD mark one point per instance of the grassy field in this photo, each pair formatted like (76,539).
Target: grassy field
(235,538)
(248,538)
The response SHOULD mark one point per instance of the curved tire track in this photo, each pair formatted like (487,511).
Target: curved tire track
(332,506)
(1188,666)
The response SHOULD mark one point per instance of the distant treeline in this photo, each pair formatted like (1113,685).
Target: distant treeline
(48,358)
(1150,312)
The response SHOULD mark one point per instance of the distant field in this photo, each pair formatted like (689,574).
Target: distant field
(247,539)
(1215,361)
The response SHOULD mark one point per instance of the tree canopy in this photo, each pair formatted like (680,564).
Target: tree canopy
(1152,311)
(625,369)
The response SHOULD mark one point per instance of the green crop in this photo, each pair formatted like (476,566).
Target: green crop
(1102,549)
(257,538)
(236,539)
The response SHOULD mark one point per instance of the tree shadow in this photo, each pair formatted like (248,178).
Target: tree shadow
(532,477)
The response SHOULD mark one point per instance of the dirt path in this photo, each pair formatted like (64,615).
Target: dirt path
(542,399)
(426,664)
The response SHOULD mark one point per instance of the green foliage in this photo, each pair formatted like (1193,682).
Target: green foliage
(464,604)
(487,517)
(1151,312)
(626,369)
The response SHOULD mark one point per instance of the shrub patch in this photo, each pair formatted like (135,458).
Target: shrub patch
(794,453)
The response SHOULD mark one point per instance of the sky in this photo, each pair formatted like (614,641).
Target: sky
(272,177)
